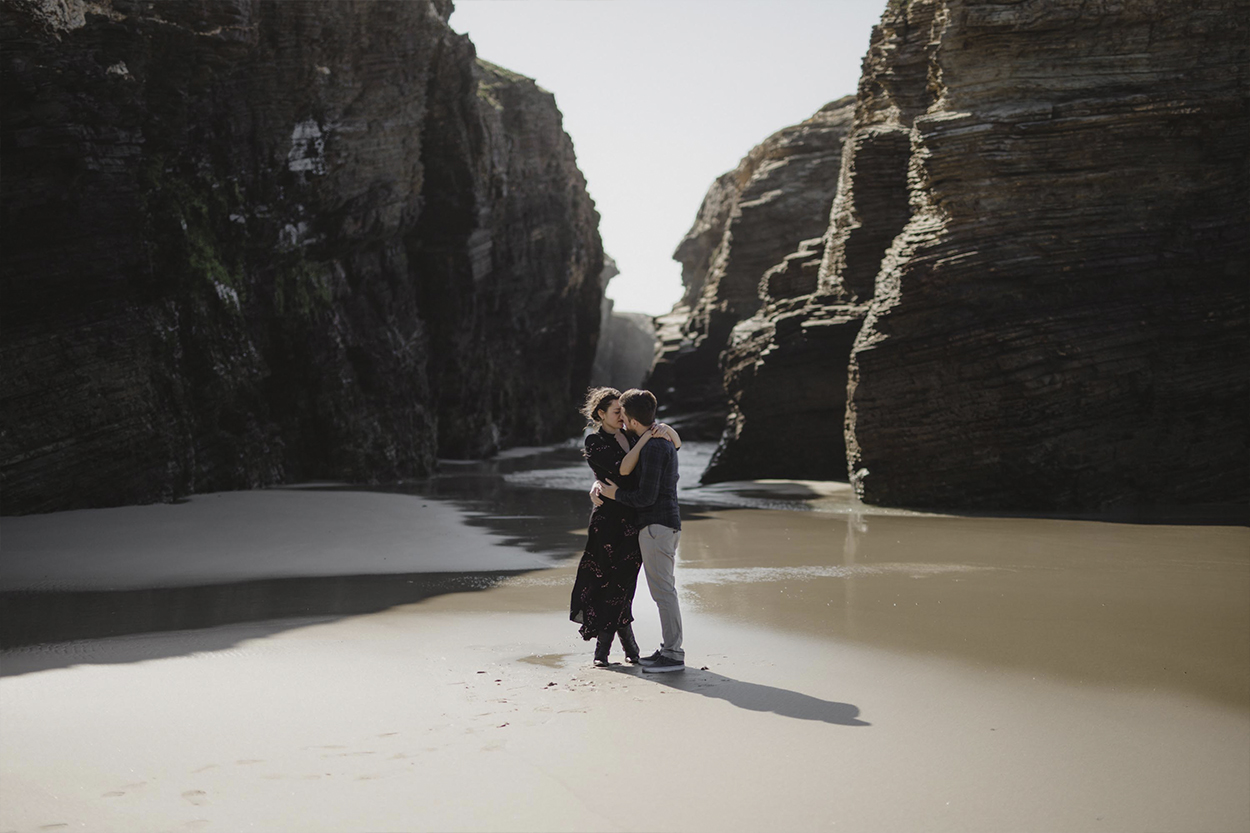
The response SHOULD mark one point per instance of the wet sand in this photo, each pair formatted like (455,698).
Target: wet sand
(850,669)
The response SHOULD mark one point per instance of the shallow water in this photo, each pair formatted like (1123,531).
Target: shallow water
(1141,606)
(1145,607)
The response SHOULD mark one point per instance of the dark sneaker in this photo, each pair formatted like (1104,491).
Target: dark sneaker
(651,660)
(602,663)
(664,664)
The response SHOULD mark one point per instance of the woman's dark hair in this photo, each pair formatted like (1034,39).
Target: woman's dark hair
(598,399)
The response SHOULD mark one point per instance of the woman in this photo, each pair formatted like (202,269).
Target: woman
(603,593)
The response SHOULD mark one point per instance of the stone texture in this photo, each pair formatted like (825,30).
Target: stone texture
(785,369)
(1062,325)
(250,241)
(751,218)
(1042,211)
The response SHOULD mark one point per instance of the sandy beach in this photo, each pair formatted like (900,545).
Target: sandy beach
(336,659)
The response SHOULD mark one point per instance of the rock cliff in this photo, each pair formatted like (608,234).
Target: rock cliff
(1042,222)
(254,241)
(785,370)
(751,218)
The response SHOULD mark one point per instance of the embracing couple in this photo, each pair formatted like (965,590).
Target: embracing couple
(635,523)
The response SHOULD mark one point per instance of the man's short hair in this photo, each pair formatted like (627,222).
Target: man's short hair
(639,405)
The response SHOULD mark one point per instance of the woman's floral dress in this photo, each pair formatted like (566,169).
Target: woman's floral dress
(603,593)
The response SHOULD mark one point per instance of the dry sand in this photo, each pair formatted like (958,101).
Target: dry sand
(864,671)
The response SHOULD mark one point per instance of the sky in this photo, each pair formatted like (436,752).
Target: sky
(661,97)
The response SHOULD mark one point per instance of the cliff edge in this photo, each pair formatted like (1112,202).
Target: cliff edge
(1034,277)
(255,241)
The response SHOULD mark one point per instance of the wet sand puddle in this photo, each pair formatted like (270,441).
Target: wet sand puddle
(1143,604)
(1130,604)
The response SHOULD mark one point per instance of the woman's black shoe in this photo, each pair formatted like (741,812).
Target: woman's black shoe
(602,648)
(628,644)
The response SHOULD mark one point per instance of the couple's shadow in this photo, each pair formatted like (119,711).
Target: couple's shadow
(751,696)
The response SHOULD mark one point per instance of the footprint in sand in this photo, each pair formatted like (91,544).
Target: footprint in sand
(196,797)
(387,734)
(112,794)
(54,826)
(203,769)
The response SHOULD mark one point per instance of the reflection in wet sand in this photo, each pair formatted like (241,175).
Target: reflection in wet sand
(33,618)
(546,660)
(1108,604)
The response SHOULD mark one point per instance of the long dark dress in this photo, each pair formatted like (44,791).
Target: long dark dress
(603,592)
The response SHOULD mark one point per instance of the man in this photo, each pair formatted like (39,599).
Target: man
(659,526)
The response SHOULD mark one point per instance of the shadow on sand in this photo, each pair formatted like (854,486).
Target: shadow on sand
(264,606)
(752,696)
(55,625)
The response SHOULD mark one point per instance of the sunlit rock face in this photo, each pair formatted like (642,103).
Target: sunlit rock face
(252,242)
(1042,222)
(751,218)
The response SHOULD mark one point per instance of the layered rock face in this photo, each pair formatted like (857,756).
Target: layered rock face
(1042,218)
(786,370)
(751,218)
(249,242)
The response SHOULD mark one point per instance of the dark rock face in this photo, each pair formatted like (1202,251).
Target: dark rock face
(1042,214)
(249,242)
(785,370)
(1063,322)
(751,218)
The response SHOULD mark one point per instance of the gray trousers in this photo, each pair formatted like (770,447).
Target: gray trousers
(659,553)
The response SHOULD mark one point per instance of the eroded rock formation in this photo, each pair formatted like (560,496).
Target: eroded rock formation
(751,218)
(785,370)
(1042,217)
(251,241)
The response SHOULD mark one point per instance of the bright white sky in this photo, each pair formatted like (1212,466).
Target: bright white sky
(663,96)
